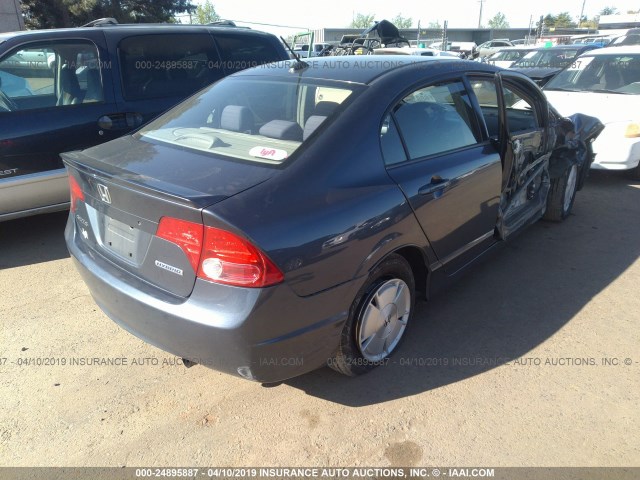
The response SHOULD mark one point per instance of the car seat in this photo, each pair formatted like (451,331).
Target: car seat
(70,92)
(94,87)
(612,77)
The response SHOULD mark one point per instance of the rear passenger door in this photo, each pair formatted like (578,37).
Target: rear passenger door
(436,151)
(515,115)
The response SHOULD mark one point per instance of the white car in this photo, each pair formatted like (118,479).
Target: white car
(492,46)
(508,55)
(417,51)
(605,83)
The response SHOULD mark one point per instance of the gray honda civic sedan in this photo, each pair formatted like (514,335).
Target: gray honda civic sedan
(288,216)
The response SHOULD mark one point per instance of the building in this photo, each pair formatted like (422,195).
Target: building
(619,22)
(10,16)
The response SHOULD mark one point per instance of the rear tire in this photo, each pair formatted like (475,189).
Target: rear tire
(635,172)
(562,195)
(378,318)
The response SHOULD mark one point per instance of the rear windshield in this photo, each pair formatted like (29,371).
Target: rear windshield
(251,118)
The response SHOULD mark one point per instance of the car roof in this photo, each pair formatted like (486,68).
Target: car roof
(137,28)
(569,47)
(518,47)
(622,50)
(404,50)
(364,69)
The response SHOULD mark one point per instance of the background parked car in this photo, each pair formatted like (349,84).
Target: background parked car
(605,83)
(303,49)
(297,213)
(492,46)
(507,56)
(415,51)
(462,49)
(13,86)
(542,64)
(65,89)
(630,39)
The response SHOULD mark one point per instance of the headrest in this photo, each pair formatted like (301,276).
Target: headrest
(282,130)
(237,119)
(325,108)
(313,122)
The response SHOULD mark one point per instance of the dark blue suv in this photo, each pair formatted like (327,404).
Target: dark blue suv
(67,89)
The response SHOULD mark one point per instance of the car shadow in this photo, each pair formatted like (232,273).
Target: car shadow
(508,305)
(31,240)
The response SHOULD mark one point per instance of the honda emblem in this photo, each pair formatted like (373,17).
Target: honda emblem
(103,191)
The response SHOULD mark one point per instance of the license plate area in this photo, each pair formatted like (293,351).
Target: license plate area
(123,240)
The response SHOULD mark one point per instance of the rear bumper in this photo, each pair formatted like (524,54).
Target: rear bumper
(266,335)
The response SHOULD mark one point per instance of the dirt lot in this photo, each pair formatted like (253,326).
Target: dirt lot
(532,359)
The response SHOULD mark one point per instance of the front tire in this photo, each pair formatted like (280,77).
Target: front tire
(562,195)
(378,318)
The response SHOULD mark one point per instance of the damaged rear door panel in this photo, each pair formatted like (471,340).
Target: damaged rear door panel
(545,157)
(524,146)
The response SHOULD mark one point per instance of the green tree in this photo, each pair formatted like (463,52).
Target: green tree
(206,13)
(561,20)
(362,20)
(435,24)
(402,22)
(549,20)
(73,13)
(499,21)
(564,20)
(609,11)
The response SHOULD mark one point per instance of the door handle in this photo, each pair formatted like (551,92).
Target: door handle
(120,121)
(436,186)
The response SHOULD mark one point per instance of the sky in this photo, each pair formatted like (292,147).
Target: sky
(459,13)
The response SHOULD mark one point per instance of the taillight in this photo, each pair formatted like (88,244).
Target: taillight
(221,256)
(76,193)
(187,235)
(232,260)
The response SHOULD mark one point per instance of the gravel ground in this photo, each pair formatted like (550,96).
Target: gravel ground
(532,359)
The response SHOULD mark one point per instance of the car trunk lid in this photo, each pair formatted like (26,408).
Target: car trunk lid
(127,186)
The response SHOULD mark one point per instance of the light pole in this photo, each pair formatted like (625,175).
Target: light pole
(581,13)
(480,16)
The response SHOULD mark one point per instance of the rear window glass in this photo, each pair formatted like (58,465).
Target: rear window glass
(251,119)
(240,52)
(155,66)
